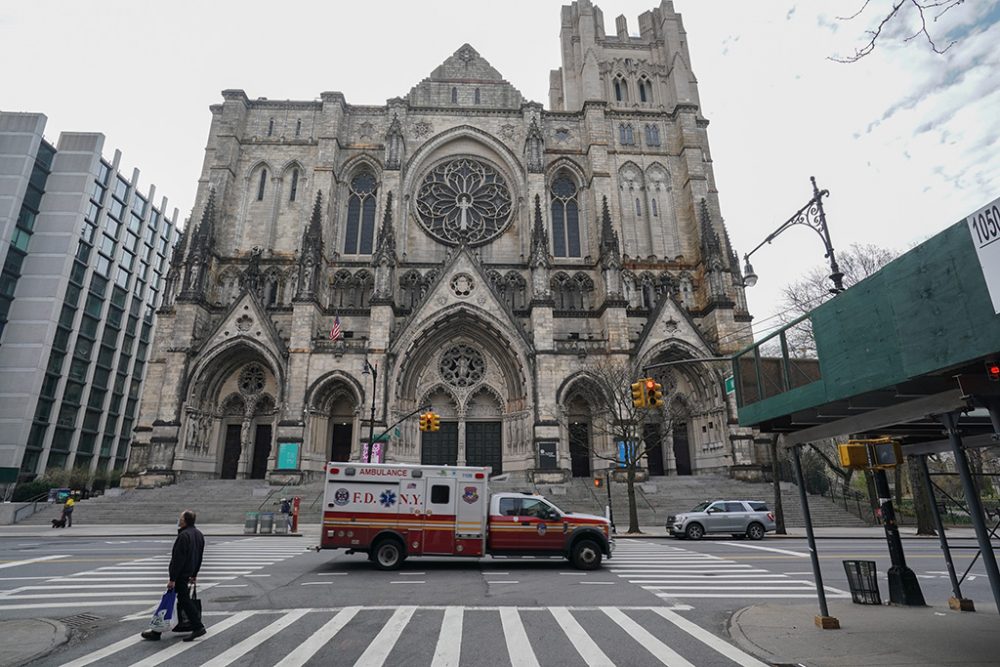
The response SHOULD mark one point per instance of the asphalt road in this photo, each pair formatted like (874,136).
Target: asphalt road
(269,601)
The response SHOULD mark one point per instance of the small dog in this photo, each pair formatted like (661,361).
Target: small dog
(59,523)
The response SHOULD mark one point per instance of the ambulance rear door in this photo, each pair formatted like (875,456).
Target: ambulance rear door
(470,514)
(439,516)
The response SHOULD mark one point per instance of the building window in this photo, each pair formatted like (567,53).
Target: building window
(261,184)
(626,136)
(652,135)
(454,95)
(361,215)
(638,207)
(295,185)
(565,217)
(621,89)
(270,127)
(477,96)
(654,208)
(645,90)
(298,127)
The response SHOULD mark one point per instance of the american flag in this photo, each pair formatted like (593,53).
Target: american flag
(335,332)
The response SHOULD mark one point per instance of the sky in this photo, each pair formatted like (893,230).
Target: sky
(905,140)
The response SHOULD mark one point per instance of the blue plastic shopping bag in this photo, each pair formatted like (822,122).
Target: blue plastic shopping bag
(164,612)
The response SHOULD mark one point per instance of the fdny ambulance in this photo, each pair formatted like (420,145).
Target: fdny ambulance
(393,511)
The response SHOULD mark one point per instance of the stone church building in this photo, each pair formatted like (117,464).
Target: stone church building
(480,253)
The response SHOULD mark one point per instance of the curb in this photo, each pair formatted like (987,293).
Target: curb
(60,636)
(740,638)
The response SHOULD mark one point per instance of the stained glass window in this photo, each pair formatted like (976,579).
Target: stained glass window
(565,217)
(360,230)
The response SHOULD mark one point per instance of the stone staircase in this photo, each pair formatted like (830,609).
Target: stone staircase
(227,501)
(214,501)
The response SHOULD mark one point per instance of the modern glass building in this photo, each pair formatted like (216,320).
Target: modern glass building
(84,253)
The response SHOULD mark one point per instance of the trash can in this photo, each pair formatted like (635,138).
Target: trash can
(266,523)
(250,524)
(281,524)
(863,581)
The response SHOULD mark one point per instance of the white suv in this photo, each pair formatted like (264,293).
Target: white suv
(736,517)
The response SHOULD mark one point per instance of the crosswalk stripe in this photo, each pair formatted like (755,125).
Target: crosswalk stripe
(707,638)
(518,646)
(381,646)
(234,653)
(584,645)
(162,656)
(104,652)
(663,653)
(318,639)
(448,651)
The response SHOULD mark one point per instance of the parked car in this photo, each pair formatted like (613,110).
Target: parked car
(751,518)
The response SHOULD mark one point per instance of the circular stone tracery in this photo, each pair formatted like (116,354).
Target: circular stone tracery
(251,380)
(464,201)
(462,366)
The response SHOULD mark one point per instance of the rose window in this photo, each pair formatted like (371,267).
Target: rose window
(464,201)
(251,380)
(462,366)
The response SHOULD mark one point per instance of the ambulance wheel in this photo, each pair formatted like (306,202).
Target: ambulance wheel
(388,554)
(586,555)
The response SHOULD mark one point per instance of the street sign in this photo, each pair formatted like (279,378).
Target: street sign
(984,227)
(730,384)
(288,456)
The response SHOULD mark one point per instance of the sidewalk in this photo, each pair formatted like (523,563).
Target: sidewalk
(870,635)
(144,530)
(28,639)
(311,531)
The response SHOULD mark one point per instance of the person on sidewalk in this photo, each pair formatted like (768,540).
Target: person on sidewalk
(185,562)
(68,512)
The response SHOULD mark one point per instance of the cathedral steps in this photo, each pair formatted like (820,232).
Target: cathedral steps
(227,501)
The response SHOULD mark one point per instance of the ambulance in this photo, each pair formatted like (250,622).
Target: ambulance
(394,511)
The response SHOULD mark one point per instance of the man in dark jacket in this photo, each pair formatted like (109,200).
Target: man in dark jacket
(185,562)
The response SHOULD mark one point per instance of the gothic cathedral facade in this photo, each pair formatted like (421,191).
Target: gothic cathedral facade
(462,248)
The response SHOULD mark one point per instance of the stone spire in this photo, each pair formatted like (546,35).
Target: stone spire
(611,259)
(610,249)
(311,253)
(711,248)
(175,271)
(200,252)
(384,258)
(539,259)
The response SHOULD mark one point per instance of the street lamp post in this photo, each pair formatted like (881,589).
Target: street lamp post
(812,216)
(373,371)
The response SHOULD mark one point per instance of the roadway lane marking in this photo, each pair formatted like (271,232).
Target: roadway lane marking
(319,639)
(236,652)
(518,647)
(448,651)
(710,640)
(257,575)
(30,578)
(494,581)
(232,585)
(316,583)
(407,581)
(76,605)
(385,640)
(17,563)
(799,554)
(162,656)
(582,642)
(572,574)
(646,639)
(331,574)
(411,574)
(597,583)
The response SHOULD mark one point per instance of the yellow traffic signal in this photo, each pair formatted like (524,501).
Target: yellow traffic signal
(654,393)
(434,421)
(639,394)
(425,421)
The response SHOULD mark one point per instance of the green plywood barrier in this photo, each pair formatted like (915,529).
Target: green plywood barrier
(927,311)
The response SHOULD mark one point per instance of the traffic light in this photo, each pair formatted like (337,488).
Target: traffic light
(425,421)
(993,370)
(433,421)
(639,394)
(654,393)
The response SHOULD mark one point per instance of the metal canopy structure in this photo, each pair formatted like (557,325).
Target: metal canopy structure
(901,353)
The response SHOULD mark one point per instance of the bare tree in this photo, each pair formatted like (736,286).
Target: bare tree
(901,11)
(798,298)
(609,395)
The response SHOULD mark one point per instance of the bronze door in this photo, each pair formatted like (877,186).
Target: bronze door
(231,452)
(484,445)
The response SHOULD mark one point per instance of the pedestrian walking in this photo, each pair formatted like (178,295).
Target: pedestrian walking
(286,513)
(68,511)
(185,562)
